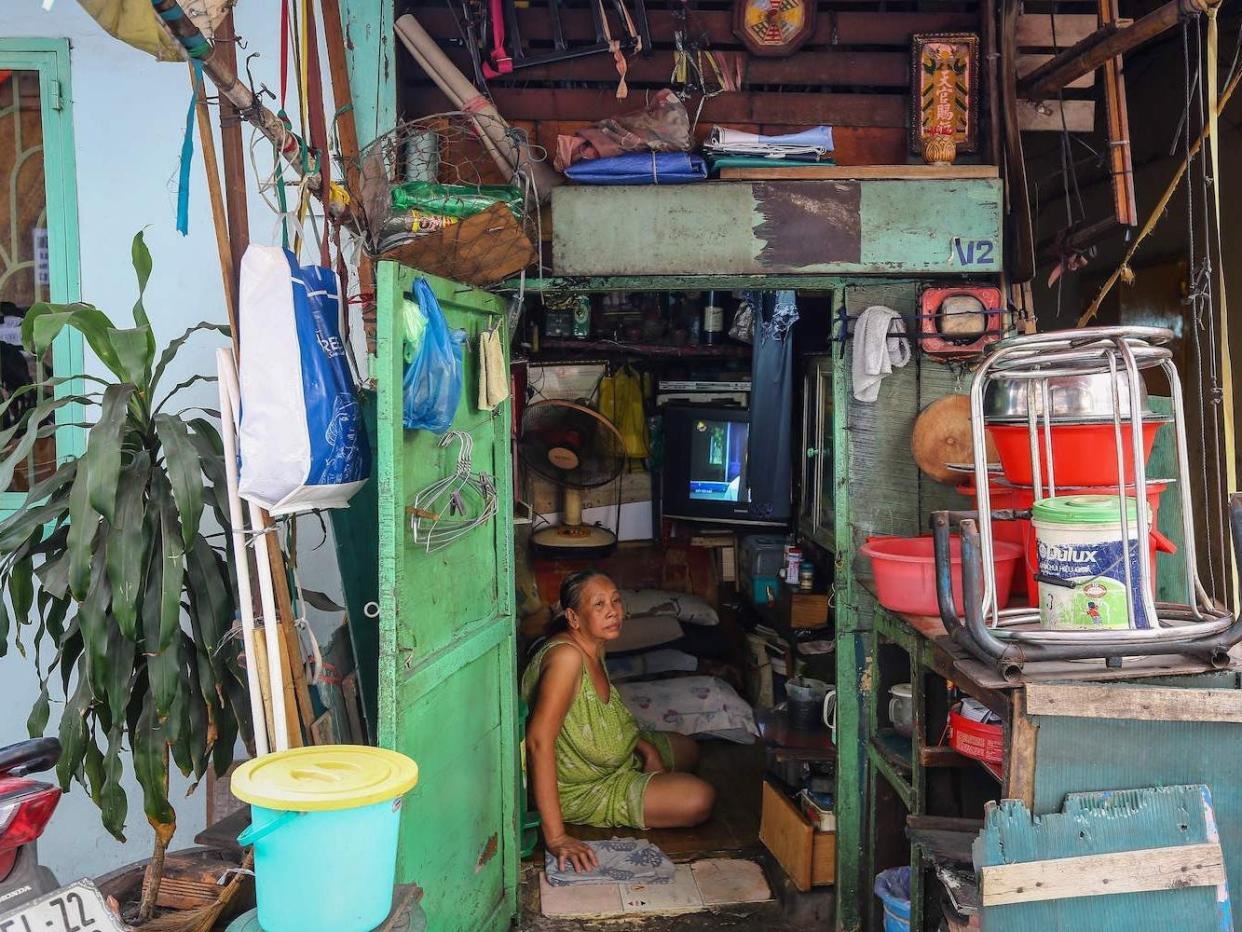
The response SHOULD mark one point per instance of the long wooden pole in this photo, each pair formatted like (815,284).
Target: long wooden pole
(1106,43)
(214,193)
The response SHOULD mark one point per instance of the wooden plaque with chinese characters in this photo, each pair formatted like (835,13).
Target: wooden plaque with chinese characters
(945,88)
(773,28)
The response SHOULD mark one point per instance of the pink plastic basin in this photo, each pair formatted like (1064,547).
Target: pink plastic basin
(905,572)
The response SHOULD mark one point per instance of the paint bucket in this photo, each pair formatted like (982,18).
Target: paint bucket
(893,888)
(324,824)
(1082,576)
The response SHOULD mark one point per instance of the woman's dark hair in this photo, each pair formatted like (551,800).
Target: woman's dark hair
(570,597)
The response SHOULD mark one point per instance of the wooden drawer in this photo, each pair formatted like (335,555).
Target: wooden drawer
(808,857)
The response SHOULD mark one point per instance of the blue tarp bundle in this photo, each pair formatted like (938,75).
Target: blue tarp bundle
(641,168)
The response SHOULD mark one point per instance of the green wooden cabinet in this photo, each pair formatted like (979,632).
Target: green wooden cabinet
(447,666)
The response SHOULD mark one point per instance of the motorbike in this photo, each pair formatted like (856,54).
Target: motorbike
(26,806)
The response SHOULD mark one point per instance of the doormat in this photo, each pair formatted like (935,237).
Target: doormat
(695,887)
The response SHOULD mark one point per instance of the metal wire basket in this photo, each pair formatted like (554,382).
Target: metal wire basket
(432,193)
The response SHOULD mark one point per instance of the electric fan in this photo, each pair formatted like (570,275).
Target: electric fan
(575,448)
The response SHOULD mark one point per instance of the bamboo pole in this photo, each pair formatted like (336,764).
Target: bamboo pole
(212,166)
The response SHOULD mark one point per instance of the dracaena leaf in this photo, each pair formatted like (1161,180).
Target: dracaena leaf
(140,255)
(135,350)
(83,522)
(36,723)
(93,769)
(96,626)
(73,730)
(112,800)
(103,453)
(172,564)
(44,322)
(21,589)
(150,753)
(184,471)
(129,547)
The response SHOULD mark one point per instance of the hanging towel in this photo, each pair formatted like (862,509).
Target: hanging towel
(876,350)
(621,860)
(493,373)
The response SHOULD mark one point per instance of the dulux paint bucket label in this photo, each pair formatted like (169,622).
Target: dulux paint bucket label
(1099,598)
(1079,542)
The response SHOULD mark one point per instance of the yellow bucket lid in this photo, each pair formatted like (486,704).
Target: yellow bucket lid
(331,776)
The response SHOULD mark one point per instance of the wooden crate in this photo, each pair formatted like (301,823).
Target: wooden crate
(807,856)
(808,610)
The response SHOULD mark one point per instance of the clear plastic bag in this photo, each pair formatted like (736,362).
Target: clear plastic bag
(432,383)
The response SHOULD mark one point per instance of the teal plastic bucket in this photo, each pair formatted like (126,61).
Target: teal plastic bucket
(324,871)
(324,824)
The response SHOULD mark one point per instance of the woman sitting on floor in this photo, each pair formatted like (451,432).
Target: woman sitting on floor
(590,763)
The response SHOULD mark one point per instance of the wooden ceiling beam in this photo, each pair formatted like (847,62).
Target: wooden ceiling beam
(1105,44)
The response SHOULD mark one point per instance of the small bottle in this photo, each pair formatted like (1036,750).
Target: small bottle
(713,321)
(806,577)
(793,566)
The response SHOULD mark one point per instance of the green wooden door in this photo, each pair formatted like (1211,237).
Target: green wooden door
(447,674)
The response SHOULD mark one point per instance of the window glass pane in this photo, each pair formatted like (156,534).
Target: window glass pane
(23,256)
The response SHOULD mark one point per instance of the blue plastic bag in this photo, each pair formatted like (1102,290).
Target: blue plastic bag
(432,381)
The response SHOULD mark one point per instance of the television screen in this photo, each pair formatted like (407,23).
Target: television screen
(718,461)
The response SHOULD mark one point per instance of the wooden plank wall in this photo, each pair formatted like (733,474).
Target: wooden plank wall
(853,74)
(1140,751)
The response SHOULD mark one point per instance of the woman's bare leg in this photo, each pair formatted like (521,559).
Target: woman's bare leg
(677,800)
(685,752)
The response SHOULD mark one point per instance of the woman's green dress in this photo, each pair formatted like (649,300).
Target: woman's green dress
(598,775)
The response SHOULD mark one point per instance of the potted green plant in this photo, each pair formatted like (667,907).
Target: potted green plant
(109,568)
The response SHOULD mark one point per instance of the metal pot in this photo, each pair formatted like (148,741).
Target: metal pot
(1073,398)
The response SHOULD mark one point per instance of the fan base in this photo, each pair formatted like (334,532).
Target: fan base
(573,542)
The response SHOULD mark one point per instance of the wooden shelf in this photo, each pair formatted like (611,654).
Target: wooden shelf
(617,347)
(810,172)
(885,767)
(896,749)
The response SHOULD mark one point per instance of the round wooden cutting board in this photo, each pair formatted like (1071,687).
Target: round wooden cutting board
(942,436)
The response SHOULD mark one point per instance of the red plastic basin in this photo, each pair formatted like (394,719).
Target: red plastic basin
(905,572)
(1082,454)
(1022,533)
(981,740)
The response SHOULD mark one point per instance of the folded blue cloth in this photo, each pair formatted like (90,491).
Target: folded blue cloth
(640,168)
(621,860)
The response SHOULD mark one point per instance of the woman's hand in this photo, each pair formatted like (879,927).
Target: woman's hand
(568,850)
(652,762)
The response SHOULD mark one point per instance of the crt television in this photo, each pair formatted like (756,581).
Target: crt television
(705,471)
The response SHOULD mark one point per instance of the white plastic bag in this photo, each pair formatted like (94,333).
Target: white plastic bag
(302,441)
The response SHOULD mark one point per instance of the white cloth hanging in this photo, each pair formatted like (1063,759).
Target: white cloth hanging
(879,347)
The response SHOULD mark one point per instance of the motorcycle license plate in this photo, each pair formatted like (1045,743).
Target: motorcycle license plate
(77,907)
